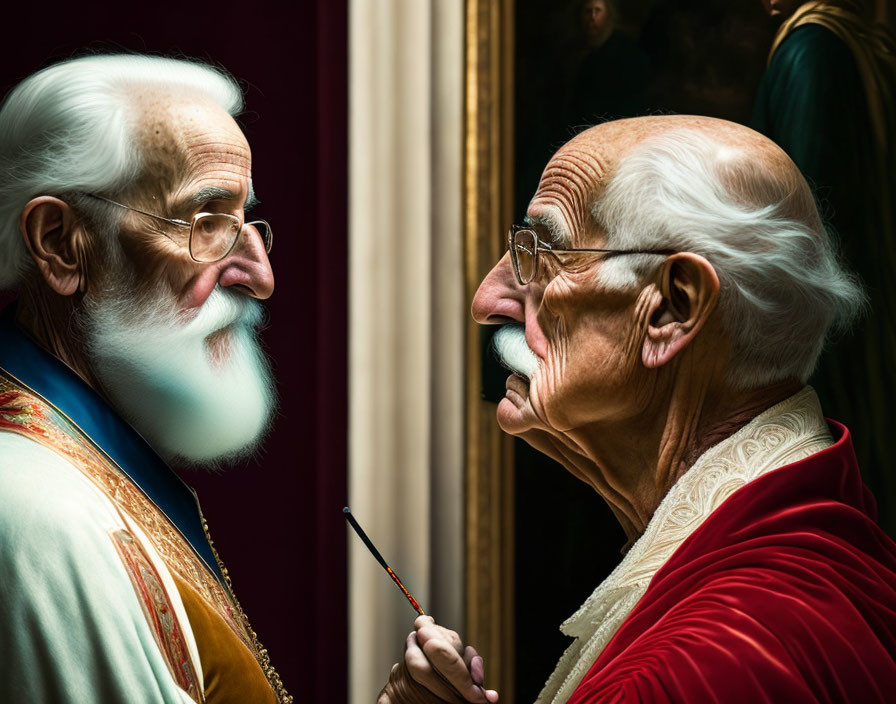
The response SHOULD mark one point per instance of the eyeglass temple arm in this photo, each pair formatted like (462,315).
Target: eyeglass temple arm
(182,223)
(551,250)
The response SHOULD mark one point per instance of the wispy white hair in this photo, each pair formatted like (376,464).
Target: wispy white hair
(782,287)
(69,129)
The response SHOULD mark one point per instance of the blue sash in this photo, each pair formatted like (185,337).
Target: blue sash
(29,363)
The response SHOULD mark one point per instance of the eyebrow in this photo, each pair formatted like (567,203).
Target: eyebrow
(556,228)
(210,193)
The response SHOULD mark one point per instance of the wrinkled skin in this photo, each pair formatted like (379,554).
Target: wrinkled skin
(416,681)
(632,383)
(193,147)
(190,147)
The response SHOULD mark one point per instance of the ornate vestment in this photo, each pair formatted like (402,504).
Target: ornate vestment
(828,99)
(762,577)
(111,589)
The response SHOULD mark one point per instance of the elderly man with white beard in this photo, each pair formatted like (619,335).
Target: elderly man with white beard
(666,301)
(124,188)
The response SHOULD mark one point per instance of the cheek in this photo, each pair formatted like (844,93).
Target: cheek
(593,357)
(158,263)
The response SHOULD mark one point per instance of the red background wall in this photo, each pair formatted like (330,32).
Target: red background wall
(276,521)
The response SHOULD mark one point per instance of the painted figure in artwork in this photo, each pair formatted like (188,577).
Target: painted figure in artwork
(828,99)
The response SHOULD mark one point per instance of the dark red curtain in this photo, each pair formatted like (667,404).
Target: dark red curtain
(276,520)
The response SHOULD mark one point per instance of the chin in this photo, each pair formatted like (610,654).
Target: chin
(510,417)
(515,414)
(218,347)
(200,393)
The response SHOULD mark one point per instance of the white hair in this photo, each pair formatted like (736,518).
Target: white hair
(69,129)
(782,287)
(170,381)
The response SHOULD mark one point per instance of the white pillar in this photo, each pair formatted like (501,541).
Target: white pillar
(406,316)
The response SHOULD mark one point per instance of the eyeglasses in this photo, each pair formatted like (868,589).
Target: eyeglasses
(212,235)
(524,246)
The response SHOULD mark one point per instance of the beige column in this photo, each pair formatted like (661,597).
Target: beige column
(406,317)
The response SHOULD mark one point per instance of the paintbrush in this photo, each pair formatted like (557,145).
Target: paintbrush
(379,558)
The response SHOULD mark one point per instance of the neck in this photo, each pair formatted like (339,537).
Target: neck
(50,319)
(634,477)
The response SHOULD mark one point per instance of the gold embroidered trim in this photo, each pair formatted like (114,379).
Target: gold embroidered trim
(264,658)
(24,411)
(159,612)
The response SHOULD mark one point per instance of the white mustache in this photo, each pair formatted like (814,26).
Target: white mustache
(223,308)
(513,350)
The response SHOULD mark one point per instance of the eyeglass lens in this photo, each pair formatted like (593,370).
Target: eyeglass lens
(523,249)
(214,235)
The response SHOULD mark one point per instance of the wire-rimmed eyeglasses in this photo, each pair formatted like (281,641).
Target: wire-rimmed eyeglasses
(212,235)
(524,245)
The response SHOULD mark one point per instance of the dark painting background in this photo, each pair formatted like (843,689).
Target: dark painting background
(275,520)
(704,57)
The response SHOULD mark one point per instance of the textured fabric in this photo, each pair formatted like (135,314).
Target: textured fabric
(108,588)
(827,99)
(230,670)
(786,593)
(71,628)
(39,370)
(788,431)
(872,50)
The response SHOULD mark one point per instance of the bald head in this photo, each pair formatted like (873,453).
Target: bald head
(751,166)
(724,192)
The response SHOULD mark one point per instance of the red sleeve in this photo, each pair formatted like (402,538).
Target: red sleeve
(752,635)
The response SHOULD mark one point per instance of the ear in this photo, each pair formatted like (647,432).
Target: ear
(56,242)
(690,290)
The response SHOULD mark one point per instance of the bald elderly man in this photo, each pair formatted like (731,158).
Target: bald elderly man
(124,189)
(663,307)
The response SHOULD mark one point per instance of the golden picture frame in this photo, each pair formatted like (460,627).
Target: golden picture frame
(488,207)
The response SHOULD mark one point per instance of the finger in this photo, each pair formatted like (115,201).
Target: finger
(475,665)
(422,621)
(433,632)
(451,666)
(421,671)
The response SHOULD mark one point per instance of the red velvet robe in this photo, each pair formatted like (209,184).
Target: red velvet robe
(785,594)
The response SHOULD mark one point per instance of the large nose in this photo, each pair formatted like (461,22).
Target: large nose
(248,266)
(499,298)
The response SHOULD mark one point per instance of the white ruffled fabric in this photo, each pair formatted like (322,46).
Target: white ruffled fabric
(785,433)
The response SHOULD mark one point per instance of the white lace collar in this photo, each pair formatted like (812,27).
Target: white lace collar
(785,433)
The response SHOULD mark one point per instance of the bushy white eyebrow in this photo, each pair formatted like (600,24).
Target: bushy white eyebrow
(554,224)
(210,193)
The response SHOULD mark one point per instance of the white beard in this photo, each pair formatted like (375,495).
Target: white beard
(192,402)
(513,350)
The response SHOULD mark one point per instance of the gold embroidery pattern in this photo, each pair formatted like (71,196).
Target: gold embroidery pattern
(264,658)
(24,412)
(159,613)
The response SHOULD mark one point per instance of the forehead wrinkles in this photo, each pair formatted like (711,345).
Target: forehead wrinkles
(221,153)
(212,141)
(568,185)
(182,139)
